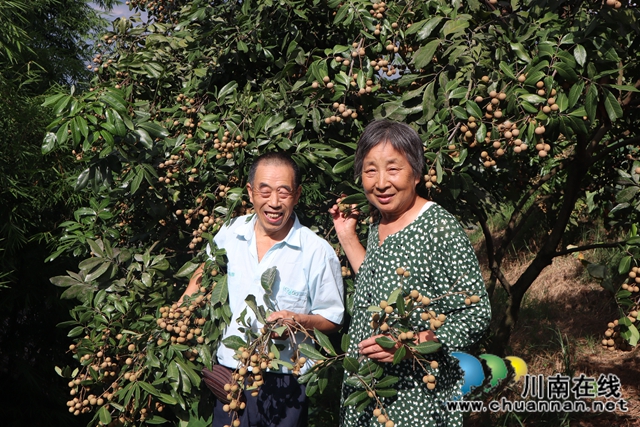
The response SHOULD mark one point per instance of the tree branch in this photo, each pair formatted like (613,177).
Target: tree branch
(611,148)
(629,96)
(588,247)
(512,227)
(503,280)
(596,138)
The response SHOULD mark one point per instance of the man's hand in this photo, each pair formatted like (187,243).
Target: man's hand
(283,317)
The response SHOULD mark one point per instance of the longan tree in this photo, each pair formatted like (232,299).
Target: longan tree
(526,104)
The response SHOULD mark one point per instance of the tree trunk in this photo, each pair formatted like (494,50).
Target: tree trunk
(575,174)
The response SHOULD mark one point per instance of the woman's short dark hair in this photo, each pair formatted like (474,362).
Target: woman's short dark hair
(278,159)
(402,138)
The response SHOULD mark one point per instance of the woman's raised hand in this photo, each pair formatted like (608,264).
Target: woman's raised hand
(345,217)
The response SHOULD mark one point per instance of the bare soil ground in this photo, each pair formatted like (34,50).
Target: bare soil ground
(564,302)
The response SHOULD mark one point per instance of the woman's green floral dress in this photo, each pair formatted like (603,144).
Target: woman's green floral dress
(440,259)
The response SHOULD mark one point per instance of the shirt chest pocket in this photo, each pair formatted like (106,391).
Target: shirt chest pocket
(293,299)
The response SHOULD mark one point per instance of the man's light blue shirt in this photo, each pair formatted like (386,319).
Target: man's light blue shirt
(309,279)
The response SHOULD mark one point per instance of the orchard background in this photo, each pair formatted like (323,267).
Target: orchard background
(528,111)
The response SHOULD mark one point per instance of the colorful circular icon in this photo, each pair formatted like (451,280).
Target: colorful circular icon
(519,366)
(497,366)
(473,372)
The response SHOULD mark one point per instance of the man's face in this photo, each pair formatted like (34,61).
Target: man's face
(274,196)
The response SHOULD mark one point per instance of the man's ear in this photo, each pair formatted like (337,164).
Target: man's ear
(250,191)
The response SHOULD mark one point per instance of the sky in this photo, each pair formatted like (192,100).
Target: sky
(121,10)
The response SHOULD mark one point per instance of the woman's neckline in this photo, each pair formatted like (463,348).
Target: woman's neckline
(423,209)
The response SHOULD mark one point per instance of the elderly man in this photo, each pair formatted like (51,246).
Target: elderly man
(308,285)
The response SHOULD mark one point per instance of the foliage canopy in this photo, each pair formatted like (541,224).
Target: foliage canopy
(531,104)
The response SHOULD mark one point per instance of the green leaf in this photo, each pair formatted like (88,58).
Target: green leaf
(148,388)
(311,352)
(343,165)
(624,265)
(227,89)
(580,53)
(591,101)
(635,335)
(64,281)
(424,55)
(627,194)
(99,271)
(533,99)
(355,398)
(385,342)
(49,142)
(481,134)
(344,343)
(234,342)
(399,355)
(341,14)
(283,127)
(395,295)
(136,181)
(455,26)
(156,419)
(168,399)
(521,52)
(324,341)
(612,106)
(251,303)
(429,102)
(624,320)
(194,378)
(220,292)
(115,101)
(388,392)
(351,364)
(268,278)
(187,269)
(104,415)
(154,129)
(575,93)
(427,28)
(598,271)
(77,331)
(427,347)
(474,110)
(507,70)
(387,381)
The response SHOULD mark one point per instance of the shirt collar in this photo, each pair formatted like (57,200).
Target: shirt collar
(293,238)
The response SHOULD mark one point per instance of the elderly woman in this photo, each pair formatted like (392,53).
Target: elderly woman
(423,239)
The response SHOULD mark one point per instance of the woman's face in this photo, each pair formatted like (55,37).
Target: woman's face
(388,180)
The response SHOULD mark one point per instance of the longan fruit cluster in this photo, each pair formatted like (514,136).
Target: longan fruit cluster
(207,220)
(383,418)
(172,167)
(346,272)
(358,50)
(183,324)
(431,178)
(633,280)
(612,338)
(228,144)
(378,9)
(341,112)
(383,64)
(253,362)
